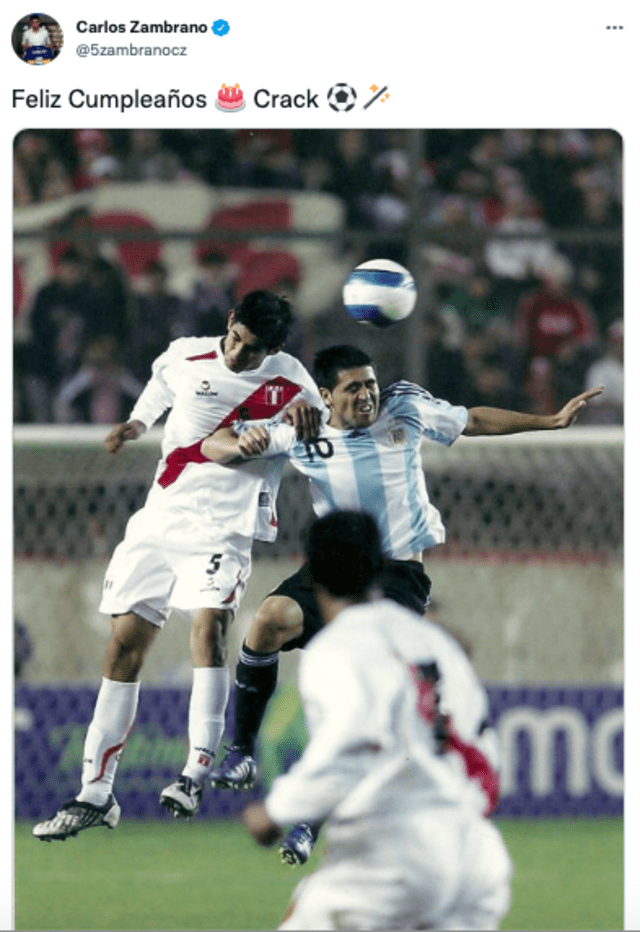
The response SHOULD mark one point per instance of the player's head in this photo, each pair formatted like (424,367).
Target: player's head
(349,386)
(34,20)
(256,328)
(344,554)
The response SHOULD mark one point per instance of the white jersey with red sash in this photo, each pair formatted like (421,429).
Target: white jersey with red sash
(191,379)
(401,767)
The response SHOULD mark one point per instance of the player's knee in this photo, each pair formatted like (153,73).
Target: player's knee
(277,621)
(208,637)
(122,662)
(126,649)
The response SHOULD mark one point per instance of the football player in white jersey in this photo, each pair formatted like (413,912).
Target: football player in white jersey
(367,456)
(401,765)
(189,546)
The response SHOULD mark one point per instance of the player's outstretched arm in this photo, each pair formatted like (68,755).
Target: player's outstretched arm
(119,435)
(224,446)
(567,415)
(486,420)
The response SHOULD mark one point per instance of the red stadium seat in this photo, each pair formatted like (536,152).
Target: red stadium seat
(265,215)
(267,270)
(134,256)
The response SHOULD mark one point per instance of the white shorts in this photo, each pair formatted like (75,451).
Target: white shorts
(160,565)
(419,873)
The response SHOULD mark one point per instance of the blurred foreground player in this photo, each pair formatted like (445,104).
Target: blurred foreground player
(400,763)
(189,547)
(368,456)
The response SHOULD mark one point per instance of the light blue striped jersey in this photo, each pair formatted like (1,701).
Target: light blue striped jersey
(379,469)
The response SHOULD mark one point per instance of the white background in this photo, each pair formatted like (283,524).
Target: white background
(453,64)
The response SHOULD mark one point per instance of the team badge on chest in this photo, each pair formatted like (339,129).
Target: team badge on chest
(273,394)
(397,433)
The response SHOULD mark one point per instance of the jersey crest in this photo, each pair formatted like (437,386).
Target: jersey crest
(264,402)
(397,433)
(273,394)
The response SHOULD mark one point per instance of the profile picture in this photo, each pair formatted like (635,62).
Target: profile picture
(37,38)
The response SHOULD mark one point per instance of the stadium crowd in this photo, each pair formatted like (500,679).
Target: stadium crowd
(522,321)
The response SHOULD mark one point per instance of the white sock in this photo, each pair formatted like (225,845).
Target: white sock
(113,718)
(209,696)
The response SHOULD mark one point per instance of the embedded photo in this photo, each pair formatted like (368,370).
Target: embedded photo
(318,527)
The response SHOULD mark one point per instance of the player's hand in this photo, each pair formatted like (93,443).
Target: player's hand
(567,415)
(258,823)
(253,441)
(305,418)
(119,435)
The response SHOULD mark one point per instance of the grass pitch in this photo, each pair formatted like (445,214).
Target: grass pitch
(210,875)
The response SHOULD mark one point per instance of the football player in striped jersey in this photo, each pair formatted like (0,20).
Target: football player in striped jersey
(367,456)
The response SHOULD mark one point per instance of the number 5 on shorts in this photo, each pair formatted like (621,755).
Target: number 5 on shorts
(214,564)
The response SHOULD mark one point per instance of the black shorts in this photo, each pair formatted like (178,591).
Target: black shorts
(404,581)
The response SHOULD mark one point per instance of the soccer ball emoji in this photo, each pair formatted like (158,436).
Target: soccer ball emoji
(342,97)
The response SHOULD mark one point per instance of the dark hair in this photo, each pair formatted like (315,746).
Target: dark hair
(344,552)
(329,362)
(266,315)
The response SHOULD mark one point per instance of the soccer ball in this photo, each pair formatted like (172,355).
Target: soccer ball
(379,292)
(342,97)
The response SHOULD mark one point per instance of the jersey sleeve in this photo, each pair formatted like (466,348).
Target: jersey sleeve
(463,699)
(343,740)
(281,436)
(156,396)
(435,418)
(281,439)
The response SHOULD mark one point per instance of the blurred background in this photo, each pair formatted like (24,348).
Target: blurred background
(126,239)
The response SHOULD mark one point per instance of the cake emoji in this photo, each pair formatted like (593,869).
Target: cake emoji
(230,98)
